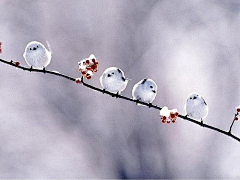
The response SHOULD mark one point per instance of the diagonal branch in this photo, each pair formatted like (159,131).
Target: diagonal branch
(234,119)
(11,63)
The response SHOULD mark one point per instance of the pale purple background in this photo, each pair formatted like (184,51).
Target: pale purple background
(52,128)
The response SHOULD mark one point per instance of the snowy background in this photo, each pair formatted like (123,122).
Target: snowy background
(52,128)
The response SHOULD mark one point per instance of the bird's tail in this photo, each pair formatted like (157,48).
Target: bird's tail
(49,47)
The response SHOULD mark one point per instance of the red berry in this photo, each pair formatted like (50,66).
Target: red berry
(88,68)
(93,60)
(238,109)
(17,63)
(83,72)
(172,115)
(87,61)
(236,118)
(163,121)
(168,122)
(93,66)
(173,121)
(89,77)
(176,114)
(77,81)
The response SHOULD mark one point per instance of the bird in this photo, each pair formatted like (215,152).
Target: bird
(196,107)
(145,90)
(36,55)
(113,80)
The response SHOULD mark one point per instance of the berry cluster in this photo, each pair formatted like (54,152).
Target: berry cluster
(168,116)
(237,114)
(88,66)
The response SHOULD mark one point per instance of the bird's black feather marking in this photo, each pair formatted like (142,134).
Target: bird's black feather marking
(119,70)
(144,81)
(204,102)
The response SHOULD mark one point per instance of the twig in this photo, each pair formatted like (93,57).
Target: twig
(234,119)
(227,133)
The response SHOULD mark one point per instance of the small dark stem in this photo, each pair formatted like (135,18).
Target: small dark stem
(150,105)
(82,79)
(202,124)
(230,130)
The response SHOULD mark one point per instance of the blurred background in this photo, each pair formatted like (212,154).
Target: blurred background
(53,128)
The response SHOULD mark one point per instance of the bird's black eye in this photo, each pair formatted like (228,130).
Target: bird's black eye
(151,87)
(37,46)
(113,73)
(190,97)
(30,49)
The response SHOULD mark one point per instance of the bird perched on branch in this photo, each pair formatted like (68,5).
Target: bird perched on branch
(113,80)
(36,55)
(196,107)
(145,90)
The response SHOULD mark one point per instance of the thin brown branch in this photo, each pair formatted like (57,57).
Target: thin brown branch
(227,133)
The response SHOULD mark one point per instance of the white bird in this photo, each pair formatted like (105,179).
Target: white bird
(113,80)
(196,107)
(36,55)
(145,90)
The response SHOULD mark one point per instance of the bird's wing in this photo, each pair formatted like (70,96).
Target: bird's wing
(102,79)
(204,102)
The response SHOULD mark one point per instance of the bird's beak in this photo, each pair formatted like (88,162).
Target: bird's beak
(153,91)
(194,97)
(109,75)
(34,48)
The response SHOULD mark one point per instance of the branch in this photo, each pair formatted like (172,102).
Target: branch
(227,133)
(234,119)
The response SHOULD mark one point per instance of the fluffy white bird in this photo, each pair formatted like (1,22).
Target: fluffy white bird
(36,55)
(196,107)
(113,80)
(145,90)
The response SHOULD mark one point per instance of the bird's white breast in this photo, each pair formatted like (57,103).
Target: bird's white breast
(38,59)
